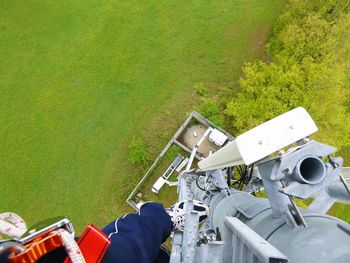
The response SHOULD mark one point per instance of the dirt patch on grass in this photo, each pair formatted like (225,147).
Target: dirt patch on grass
(231,32)
(258,43)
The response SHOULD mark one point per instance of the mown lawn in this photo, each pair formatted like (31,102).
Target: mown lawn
(78,79)
(338,209)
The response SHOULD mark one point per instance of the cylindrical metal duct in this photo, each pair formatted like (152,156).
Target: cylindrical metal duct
(309,170)
(325,240)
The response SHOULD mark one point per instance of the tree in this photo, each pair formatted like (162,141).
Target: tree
(308,68)
(209,108)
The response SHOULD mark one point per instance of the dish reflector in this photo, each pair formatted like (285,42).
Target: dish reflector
(262,140)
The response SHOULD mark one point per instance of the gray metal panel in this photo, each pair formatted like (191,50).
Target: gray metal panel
(266,219)
(289,161)
(250,206)
(248,245)
(278,201)
(210,253)
(176,248)
(322,242)
(305,191)
(190,237)
(339,192)
(346,173)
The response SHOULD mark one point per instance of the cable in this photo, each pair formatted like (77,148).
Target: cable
(229,176)
(245,175)
(250,174)
(199,186)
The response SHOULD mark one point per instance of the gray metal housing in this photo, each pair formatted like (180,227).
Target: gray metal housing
(268,230)
(326,239)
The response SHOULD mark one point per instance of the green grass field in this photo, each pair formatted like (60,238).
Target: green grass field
(78,79)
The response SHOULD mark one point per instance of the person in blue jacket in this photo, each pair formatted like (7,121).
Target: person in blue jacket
(137,238)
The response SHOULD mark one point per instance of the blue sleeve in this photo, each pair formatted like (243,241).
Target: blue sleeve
(136,238)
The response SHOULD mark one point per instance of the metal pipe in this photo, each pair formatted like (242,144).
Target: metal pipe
(309,170)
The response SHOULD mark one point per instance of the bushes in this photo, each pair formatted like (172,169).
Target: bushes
(138,153)
(201,89)
(209,108)
(310,54)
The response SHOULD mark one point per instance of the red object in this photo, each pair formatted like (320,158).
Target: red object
(37,248)
(93,244)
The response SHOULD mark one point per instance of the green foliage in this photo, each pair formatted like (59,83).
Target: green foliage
(296,11)
(209,108)
(201,89)
(308,69)
(345,153)
(225,93)
(80,79)
(128,182)
(341,211)
(138,153)
(301,203)
(173,151)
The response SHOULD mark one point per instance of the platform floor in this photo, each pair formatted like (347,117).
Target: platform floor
(192,135)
